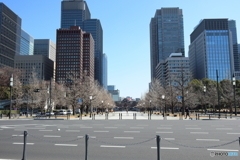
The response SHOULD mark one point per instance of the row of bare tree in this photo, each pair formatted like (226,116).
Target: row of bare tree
(192,95)
(46,95)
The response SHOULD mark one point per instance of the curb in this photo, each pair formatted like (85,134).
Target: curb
(49,119)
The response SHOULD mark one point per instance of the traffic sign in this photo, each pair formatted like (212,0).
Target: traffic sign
(79,101)
(179,97)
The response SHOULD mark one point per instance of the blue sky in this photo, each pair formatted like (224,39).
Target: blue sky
(126,30)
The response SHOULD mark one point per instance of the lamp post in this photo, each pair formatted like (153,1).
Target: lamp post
(102,107)
(204,92)
(234,93)
(90,97)
(144,107)
(11,85)
(150,106)
(165,110)
(218,95)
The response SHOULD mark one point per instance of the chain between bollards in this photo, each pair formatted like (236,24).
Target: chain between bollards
(24,145)
(158,147)
(86,146)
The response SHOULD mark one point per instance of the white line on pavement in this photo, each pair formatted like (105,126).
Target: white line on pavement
(234,133)
(86,127)
(72,130)
(132,131)
(207,139)
(67,145)
(191,125)
(111,127)
(163,128)
(143,125)
(170,139)
(101,131)
(217,125)
(104,146)
(227,150)
(46,130)
(164,148)
(36,128)
(198,132)
(123,137)
(51,136)
(92,136)
(164,132)
(193,128)
(223,128)
(22,143)
(14,135)
(20,129)
(137,127)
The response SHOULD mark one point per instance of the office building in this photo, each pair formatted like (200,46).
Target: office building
(45,47)
(38,66)
(166,36)
(236,58)
(94,27)
(69,54)
(74,13)
(174,69)
(75,54)
(105,71)
(77,13)
(10,28)
(114,93)
(88,55)
(211,50)
(26,43)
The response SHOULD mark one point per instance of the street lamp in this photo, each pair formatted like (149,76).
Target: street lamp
(144,107)
(204,91)
(11,85)
(234,93)
(218,95)
(90,97)
(102,107)
(150,106)
(165,110)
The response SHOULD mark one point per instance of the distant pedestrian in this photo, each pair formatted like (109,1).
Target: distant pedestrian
(187,113)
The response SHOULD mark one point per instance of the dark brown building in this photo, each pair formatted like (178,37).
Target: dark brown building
(88,55)
(74,53)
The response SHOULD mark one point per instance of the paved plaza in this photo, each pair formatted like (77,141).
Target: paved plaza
(125,139)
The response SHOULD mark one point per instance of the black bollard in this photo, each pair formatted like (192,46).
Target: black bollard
(158,147)
(24,145)
(239,141)
(86,146)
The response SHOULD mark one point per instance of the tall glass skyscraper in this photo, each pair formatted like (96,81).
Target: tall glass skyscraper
(166,36)
(211,50)
(73,13)
(233,29)
(26,43)
(10,29)
(76,13)
(105,72)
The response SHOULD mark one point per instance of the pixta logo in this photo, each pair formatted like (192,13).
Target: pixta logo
(217,154)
